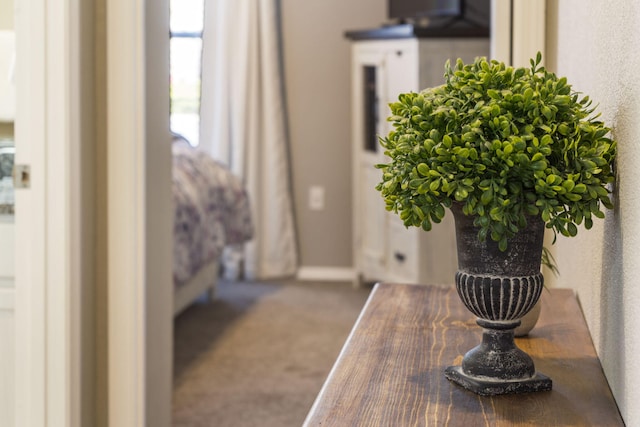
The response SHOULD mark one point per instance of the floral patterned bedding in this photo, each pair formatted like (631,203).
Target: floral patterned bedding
(211,210)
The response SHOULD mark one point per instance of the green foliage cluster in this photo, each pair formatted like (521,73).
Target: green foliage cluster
(506,143)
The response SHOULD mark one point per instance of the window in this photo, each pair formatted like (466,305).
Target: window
(185,50)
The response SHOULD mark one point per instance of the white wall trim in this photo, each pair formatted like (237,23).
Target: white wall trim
(326,274)
(518,30)
(529,27)
(501,30)
(125,212)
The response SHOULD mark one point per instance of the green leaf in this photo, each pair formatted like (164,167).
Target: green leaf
(461,194)
(423,169)
(539,165)
(602,192)
(580,188)
(486,197)
(492,93)
(573,197)
(563,129)
(545,215)
(496,214)
(528,94)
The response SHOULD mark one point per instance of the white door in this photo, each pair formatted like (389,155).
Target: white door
(46,221)
(30,259)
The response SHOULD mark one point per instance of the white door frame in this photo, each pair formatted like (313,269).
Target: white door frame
(517,30)
(125,182)
(47,226)
(140,212)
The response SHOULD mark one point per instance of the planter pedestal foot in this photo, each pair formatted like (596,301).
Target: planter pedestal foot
(497,366)
(490,387)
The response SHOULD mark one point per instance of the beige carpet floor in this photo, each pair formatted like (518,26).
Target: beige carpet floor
(259,353)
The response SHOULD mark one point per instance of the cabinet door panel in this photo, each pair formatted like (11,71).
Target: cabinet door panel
(401,75)
(371,216)
(402,253)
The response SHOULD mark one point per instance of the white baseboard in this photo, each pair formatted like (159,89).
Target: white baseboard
(326,274)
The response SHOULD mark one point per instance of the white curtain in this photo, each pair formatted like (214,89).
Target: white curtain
(243,123)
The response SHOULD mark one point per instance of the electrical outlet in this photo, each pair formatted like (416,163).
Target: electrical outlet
(316,198)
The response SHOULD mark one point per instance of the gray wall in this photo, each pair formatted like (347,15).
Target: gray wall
(317,72)
(602,264)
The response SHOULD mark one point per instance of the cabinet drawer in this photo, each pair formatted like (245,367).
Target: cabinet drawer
(402,259)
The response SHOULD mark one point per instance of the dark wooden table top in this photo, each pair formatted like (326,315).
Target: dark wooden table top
(391,370)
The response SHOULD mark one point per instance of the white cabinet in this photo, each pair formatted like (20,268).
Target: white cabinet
(384,250)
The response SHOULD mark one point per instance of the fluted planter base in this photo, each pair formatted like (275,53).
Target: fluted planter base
(500,288)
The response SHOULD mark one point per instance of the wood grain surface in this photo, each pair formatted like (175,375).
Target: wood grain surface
(391,369)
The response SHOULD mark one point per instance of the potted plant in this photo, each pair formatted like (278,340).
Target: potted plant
(509,151)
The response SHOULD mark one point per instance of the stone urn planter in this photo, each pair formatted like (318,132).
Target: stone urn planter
(510,151)
(499,287)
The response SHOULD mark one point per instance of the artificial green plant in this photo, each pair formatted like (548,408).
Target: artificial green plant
(504,142)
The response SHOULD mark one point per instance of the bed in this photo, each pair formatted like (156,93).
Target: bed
(211,213)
